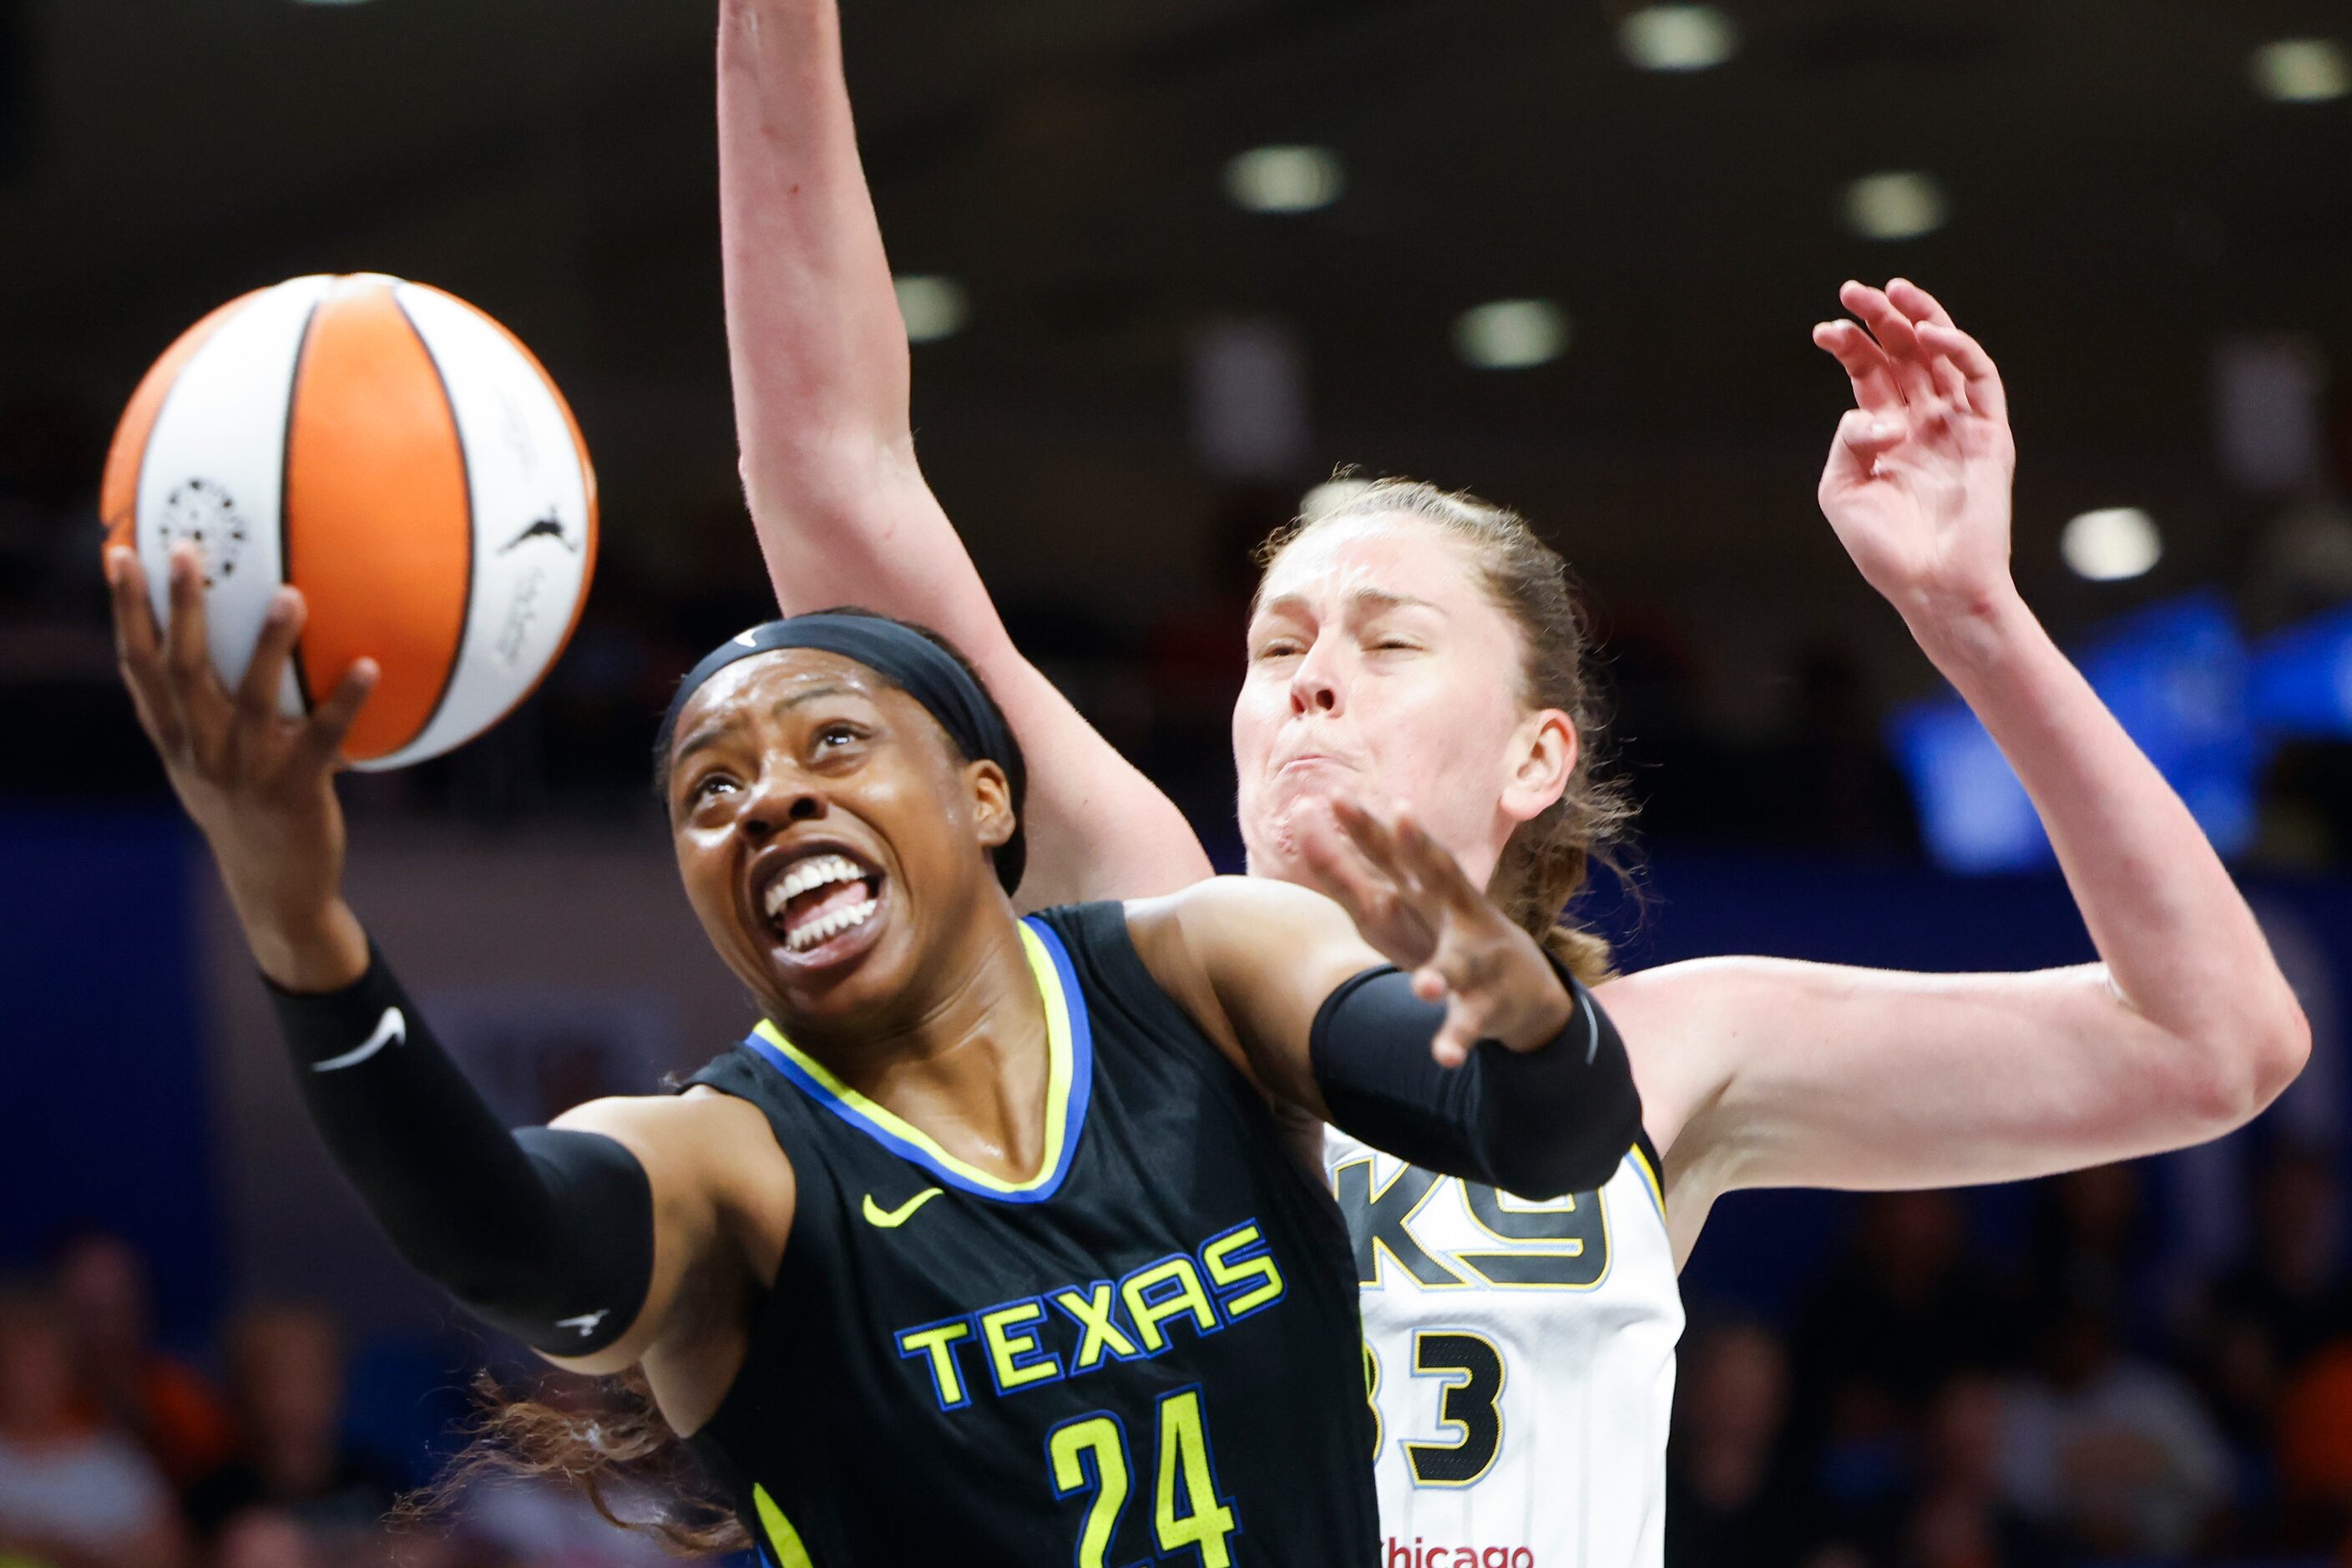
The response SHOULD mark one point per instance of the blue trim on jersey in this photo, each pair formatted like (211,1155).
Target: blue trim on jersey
(1061,1135)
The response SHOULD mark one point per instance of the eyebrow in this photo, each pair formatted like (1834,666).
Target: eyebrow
(1375,599)
(710,734)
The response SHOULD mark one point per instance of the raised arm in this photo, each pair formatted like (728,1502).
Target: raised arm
(581,1240)
(1760,1073)
(845,517)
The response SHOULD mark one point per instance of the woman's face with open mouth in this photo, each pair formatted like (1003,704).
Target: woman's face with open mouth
(825,828)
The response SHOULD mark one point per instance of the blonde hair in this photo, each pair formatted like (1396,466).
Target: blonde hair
(1547,857)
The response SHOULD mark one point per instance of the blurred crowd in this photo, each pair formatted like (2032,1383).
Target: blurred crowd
(1932,1401)
(115,1453)
(1929,1406)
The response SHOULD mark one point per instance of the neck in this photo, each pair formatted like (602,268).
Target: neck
(968,1062)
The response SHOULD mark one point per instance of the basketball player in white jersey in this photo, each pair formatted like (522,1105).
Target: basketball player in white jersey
(1420,649)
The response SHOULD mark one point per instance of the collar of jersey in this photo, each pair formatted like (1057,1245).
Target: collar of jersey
(1070,1052)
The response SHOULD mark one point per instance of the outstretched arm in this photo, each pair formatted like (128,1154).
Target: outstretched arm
(845,517)
(1413,1013)
(579,1240)
(1771,1074)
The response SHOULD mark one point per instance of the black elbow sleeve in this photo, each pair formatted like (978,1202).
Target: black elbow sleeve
(1536,1123)
(545,1234)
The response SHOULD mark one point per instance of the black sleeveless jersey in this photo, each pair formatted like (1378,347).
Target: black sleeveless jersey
(1148,1353)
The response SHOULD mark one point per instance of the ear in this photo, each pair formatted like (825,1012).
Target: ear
(1542,757)
(992,803)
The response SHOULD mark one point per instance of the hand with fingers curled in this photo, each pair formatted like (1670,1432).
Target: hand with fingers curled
(259,785)
(1917,481)
(1411,901)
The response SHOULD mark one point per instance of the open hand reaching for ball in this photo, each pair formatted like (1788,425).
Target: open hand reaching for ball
(259,786)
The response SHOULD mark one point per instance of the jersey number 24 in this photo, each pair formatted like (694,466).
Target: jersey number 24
(1088,1453)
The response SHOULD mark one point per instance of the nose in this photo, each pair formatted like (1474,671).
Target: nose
(780,798)
(1314,685)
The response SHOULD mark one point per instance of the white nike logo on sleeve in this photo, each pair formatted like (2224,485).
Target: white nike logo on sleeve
(391,1029)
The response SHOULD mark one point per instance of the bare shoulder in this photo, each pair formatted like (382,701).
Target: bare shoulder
(1197,934)
(1680,1023)
(1172,934)
(1229,910)
(703,1147)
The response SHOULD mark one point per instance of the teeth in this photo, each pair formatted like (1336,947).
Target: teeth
(816,871)
(801,939)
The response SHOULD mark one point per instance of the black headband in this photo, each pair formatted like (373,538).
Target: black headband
(909,660)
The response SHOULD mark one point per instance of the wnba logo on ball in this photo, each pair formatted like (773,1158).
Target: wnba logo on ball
(203,513)
(394,453)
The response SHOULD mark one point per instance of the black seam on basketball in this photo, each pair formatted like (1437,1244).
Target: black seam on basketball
(285,467)
(466,469)
(587,473)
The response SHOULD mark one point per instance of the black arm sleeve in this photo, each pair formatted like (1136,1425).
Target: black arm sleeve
(545,1234)
(1536,1123)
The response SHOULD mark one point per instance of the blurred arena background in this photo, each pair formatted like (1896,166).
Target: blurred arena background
(1168,262)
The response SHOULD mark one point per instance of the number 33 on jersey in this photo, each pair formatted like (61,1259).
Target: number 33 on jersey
(1520,1363)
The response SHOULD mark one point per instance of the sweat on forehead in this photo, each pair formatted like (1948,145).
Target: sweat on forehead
(774,682)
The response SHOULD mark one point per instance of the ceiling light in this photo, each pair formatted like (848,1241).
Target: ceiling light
(932,306)
(1678,37)
(2111,544)
(1898,205)
(1284,179)
(2301,70)
(1511,334)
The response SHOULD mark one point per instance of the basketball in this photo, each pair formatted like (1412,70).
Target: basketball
(397,455)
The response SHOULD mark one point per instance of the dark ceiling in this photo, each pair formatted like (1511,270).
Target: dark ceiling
(2121,200)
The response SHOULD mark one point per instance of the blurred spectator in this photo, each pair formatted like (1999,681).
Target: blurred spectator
(2314,1453)
(70,1496)
(1961,1519)
(2091,1246)
(2112,1452)
(1732,1499)
(1905,1307)
(265,1538)
(2292,1285)
(286,1386)
(125,1380)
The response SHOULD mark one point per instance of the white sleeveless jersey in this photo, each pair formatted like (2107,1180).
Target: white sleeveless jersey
(1521,1358)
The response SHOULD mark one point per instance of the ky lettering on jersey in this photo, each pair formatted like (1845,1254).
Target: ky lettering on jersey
(1072,1329)
(1557,1246)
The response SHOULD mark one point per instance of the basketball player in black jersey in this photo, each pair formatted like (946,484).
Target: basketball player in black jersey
(986,1248)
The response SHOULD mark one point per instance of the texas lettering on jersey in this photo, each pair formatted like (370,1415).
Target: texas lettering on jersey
(1072,1329)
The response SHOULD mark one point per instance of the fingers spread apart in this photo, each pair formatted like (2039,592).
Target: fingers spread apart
(1911,354)
(330,723)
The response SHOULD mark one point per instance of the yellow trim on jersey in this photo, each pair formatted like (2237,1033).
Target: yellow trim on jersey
(781,1536)
(1649,1177)
(1060,1075)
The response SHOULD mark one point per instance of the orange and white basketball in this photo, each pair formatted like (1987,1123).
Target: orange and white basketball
(397,455)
